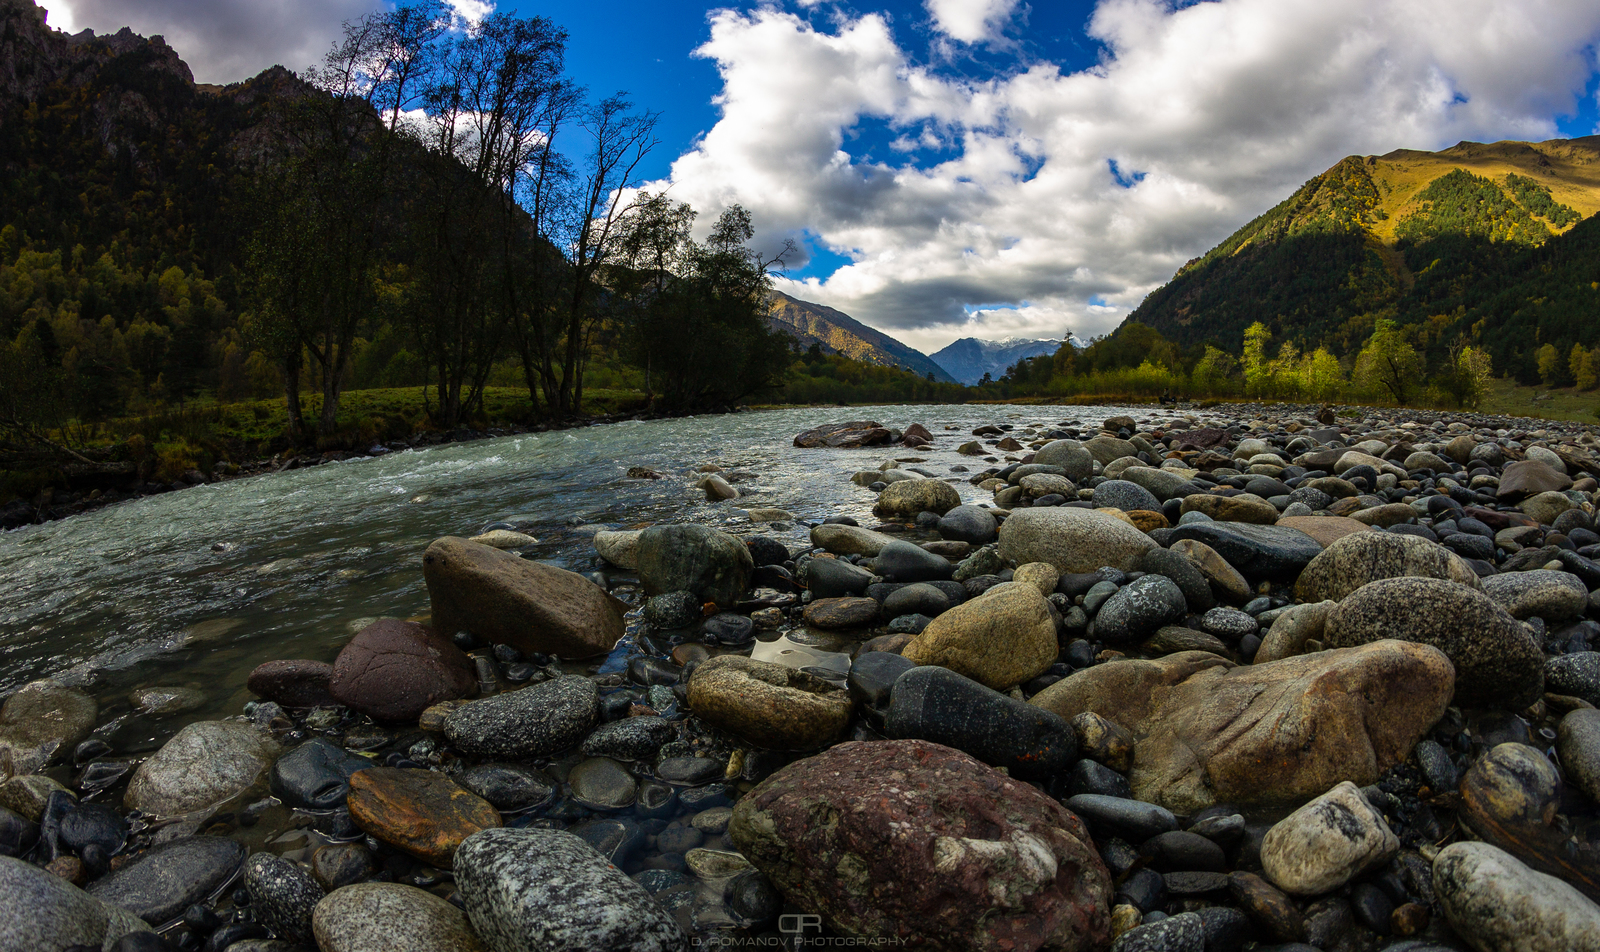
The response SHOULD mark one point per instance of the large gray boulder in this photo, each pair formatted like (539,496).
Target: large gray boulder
(389,917)
(1076,463)
(1497,659)
(529,889)
(536,721)
(41,721)
(202,766)
(1501,905)
(712,564)
(1073,540)
(41,912)
(1361,557)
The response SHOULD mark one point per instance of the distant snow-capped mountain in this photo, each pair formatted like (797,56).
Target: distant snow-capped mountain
(968,359)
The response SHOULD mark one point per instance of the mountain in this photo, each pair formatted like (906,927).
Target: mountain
(969,358)
(1485,241)
(839,333)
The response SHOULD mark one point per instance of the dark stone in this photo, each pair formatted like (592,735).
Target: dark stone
(293,683)
(632,738)
(1183,573)
(1125,495)
(971,524)
(651,671)
(1179,850)
(1132,820)
(873,674)
(835,578)
(535,721)
(76,826)
(843,435)
(917,599)
(17,833)
(1144,889)
(1372,907)
(730,628)
(765,550)
(936,704)
(1576,675)
(1181,933)
(1088,776)
(159,885)
(510,787)
(1226,929)
(710,563)
(282,896)
(394,670)
(752,899)
(315,775)
(1273,553)
(691,771)
(841,612)
(905,562)
(672,610)
(1138,610)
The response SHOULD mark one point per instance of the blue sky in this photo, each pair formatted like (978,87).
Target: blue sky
(994,168)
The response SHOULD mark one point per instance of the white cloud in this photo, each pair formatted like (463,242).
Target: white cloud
(970,21)
(1223,108)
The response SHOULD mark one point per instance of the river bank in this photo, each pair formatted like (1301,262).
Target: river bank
(1020,681)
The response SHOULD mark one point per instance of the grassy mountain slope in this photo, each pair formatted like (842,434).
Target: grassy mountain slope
(839,333)
(1458,242)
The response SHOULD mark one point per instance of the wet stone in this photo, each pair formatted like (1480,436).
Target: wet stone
(632,738)
(601,783)
(508,787)
(418,811)
(315,775)
(159,885)
(282,896)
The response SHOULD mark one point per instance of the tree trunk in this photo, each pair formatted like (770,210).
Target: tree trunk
(291,387)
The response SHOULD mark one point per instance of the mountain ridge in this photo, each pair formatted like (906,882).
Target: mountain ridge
(836,332)
(970,358)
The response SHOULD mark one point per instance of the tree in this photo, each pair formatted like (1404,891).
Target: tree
(1548,360)
(1585,371)
(1321,377)
(1388,364)
(1216,371)
(1254,360)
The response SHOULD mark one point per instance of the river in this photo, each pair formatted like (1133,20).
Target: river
(199,586)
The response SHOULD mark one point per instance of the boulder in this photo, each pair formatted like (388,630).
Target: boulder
(852,612)
(1291,630)
(159,884)
(1162,483)
(293,683)
(849,540)
(422,812)
(1000,639)
(1274,553)
(511,600)
(394,670)
(912,840)
(203,765)
(315,775)
(844,436)
(619,547)
(1497,659)
(1529,478)
(904,562)
(41,912)
(911,496)
(1501,905)
(537,721)
(1546,506)
(1138,609)
(1550,595)
(389,917)
(1077,463)
(1241,508)
(938,705)
(1326,843)
(769,704)
(1265,734)
(40,721)
(1362,557)
(532,889)
(971,524)
(283,896)
(835,578)
(1108,448)
(1125,495)
(1073,540)
(712,564)
(1223,578)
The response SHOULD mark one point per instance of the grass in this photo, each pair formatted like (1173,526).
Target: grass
(1508,398)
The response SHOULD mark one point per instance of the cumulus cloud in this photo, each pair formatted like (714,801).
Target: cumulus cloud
(970,21)
(225,41)
(1055,201)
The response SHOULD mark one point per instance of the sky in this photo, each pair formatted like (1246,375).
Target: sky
(999,168)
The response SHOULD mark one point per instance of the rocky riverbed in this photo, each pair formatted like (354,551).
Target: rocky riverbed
(1157,683)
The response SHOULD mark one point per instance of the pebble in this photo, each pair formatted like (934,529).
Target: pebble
(1327,843)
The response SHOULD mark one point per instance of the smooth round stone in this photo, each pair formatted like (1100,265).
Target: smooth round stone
(656,800)
(77,826)
(615,838)
(1097,595)
(159,885)
(971,524)
(535,721)
(765,550)
(769,704)
(1089,777)
(671,610)
(164,700)
(652,671)
(545,889)
(508,787)
(873,674)
(1124,495)
(1576,675)
(1131,820)
(39,910)
(42,721)
(906,562)
(1181,933)
(1487,894)
(293,682)
(713,821)
(752,898)
(393,670)
(1179,850)
(601,783)
(836,578)
(282,896)
(730,628)
(1196,590)
(1138,609)
(422,812)
(632,738)
(341,864)
(1229,624)
(679,839)
(916,599)
(851,612)
(1327,843)
(315,775)
(388,917)
(202,765)
(936,704)
(715,864)
(691,770)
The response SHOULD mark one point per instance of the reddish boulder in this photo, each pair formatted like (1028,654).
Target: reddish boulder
(393,670)
(1529,478)
(843,435)
(293,683)
(923,843)
(916,434)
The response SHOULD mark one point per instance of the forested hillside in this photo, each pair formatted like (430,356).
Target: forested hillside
(1486,244)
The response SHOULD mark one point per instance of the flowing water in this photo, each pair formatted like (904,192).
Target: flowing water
(199,586)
